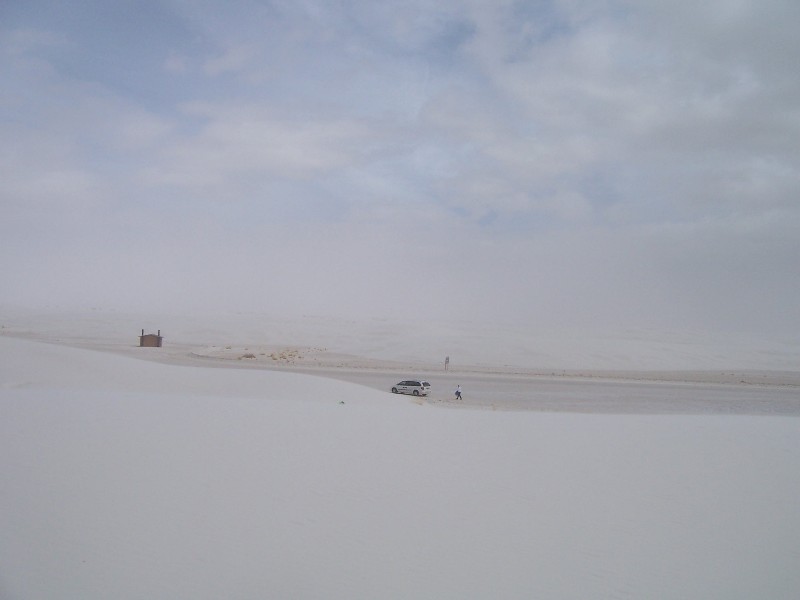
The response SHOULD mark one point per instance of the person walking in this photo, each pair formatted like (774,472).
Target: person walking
(458,392)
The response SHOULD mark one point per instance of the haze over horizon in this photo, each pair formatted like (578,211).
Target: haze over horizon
(615,164)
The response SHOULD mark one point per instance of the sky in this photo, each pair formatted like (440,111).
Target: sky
(561,162)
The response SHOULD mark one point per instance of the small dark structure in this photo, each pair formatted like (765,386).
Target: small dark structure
(151,340)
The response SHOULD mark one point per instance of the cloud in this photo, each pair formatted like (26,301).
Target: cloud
(176,64)
(235,59)
(560,162)
(239,139)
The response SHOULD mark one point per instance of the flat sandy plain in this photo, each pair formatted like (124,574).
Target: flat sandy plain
(234,462)
(511,368)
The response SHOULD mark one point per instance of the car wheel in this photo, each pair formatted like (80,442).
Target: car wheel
(394,390)
(416,393)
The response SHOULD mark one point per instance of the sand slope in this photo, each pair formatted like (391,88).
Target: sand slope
(130,479)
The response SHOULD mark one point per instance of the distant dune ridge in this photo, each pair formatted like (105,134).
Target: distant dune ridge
(480,345)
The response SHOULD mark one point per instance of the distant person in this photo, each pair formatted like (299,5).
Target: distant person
(458,392)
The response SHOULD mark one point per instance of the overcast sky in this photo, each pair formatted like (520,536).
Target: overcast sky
(569,162)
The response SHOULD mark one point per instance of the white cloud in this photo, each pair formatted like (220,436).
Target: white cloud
(234,59)
(176,64)
(563,162)
(235,140)
(20,43)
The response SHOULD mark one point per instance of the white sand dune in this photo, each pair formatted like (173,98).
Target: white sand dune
(133,479)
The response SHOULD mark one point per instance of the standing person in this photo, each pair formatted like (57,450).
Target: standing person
(458,392)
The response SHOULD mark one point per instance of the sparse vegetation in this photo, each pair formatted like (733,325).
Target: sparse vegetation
(288,356)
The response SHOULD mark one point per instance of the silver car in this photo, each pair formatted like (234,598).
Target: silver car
(414,387)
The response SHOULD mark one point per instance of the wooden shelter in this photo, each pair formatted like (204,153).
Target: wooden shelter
(151,340)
